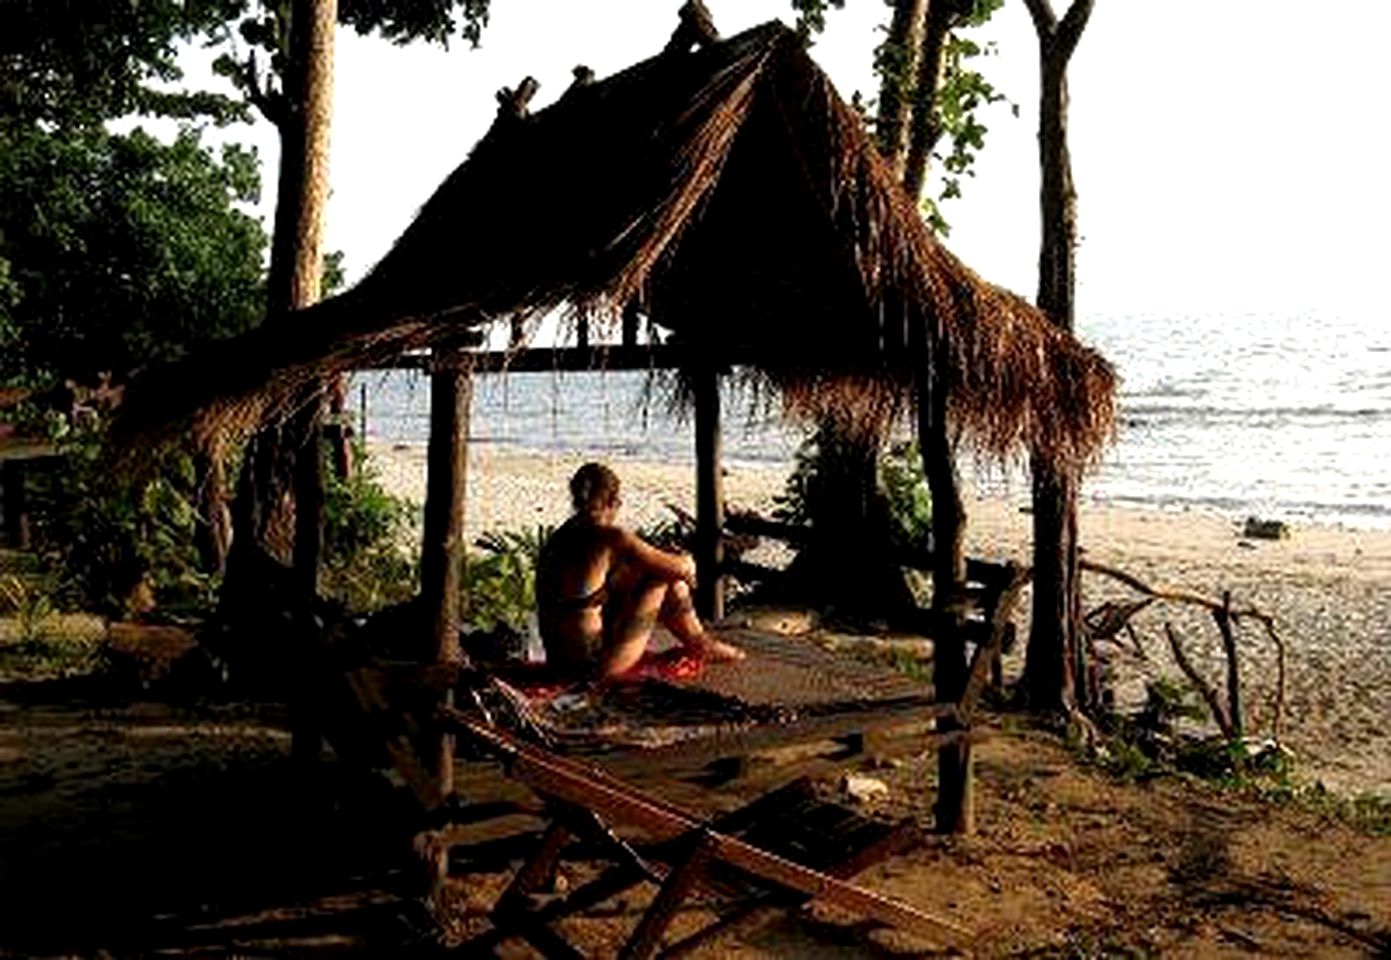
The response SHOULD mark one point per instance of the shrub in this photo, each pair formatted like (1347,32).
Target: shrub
(901,482)
(500,582)
(117,545)
(368,559)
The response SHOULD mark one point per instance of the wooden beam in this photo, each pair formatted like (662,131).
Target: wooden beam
(680,883)
(709,531)
(988,572)
(599,356)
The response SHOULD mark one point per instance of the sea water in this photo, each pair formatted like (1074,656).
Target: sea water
(1285,417)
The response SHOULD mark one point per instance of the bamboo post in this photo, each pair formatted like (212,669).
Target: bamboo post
(709,538)
(442,550)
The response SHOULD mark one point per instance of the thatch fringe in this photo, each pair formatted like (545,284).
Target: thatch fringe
(733,195)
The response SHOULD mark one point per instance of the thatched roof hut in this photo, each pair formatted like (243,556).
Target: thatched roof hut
(732,194)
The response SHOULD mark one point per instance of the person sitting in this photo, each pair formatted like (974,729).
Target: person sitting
(602,589)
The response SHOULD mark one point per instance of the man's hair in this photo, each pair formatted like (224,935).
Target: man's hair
(593,487)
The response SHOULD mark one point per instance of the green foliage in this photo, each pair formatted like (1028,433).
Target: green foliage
(120,251)
(35,642)
(30,606)
(901,479)
(500,582)
(404,21)
(1150,745)
(368,563)
(66,64)
(118,545)
(811,14)
(961,94)
(910,503)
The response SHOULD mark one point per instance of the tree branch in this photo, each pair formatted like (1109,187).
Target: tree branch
(1223,619)
(1045,21)
(269,102)
(1074,22)
(1178,596)
(1203,687)
(1223,614)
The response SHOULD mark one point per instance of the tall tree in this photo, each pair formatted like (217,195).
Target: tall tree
(287,73)
(116,251)
(1055,673)
(919,98)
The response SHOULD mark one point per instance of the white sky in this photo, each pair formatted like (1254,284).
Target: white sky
(1230,155)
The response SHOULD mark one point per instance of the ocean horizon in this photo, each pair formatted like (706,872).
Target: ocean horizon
(1284,418)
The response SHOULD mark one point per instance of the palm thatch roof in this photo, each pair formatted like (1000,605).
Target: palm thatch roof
(732,194)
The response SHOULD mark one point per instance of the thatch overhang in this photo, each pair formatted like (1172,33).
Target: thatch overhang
(732,194)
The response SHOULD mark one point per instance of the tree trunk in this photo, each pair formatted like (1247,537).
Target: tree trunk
(924,128)
(1056,657)
(283,467)
(917,117)
(899,59)
(955,811)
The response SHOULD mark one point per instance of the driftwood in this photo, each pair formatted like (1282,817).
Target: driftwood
(1108,620)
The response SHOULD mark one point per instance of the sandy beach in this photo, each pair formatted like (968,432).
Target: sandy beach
(1329,588)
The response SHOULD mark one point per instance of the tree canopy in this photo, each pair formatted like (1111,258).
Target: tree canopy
(75,62)
(118,250)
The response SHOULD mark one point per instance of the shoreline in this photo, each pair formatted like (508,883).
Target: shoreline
(1329,587)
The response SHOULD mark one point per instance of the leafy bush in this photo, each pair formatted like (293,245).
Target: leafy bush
(900,479)
(500,582)
(118,545)
(368,560)
(30,606)
(910,503)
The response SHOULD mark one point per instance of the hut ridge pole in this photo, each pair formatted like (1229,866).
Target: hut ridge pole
(442,548)
(709,537)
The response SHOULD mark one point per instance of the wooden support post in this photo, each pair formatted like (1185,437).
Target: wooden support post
(955,787)
(630,324)
(14,507)
(582,333)
(709,537)
(442,551)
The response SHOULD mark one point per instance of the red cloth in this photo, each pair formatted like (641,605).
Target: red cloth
(670,665)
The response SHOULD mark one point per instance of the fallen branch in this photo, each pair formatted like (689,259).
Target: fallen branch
(1226,617)
(1219,713)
